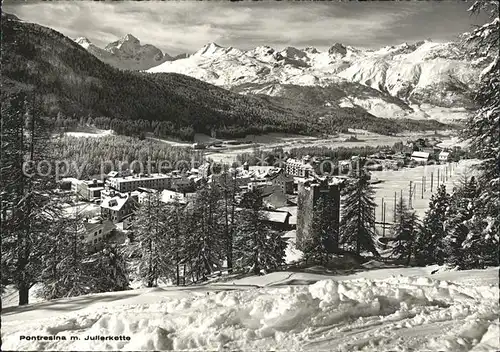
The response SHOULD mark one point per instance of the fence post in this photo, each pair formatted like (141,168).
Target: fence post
(383,224)
(410,196)
(422,187)
(394,215)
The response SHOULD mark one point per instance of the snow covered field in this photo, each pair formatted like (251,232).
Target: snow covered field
(396,181)
(398,309)
(91,133)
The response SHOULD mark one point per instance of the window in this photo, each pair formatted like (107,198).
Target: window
(95,233)
(100,231)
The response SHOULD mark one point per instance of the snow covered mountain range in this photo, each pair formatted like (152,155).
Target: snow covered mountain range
(127,53)
(423,80)
(420,80)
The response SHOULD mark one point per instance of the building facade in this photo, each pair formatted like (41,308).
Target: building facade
(89,190)
(97,231)
(299,168)
(132,183)
(444,157)
(283,181)
(421,157)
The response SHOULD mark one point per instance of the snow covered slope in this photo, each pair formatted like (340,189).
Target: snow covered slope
(127,53)
(421,76)
(384,310)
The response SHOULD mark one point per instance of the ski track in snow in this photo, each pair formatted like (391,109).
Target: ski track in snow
(370,311)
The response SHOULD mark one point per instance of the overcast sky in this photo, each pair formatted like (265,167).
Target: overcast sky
(185,26)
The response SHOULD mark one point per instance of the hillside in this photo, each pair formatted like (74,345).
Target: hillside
(76,84)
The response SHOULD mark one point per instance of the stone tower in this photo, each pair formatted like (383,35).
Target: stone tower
(309,192)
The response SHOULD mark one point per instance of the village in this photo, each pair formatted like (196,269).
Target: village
(290,190)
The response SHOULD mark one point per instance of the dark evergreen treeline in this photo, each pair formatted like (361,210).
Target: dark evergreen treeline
(342,153)
(41,243)
(455,230)
(187,243)
(86,156)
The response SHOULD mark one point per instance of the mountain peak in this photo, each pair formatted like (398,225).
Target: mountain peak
(210,49)
(338,48)
(293,53)
(84,42)
(126,53)
(80,40)
(311,50)
(130,38)
(213,44)
(126,43)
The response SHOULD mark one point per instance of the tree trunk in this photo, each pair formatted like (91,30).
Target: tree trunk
(23,293)
(256,269)
(228,237)
(177,275)
(408,261)
(184,275)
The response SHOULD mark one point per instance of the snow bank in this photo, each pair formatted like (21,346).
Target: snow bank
(397,313)
(95,133)
(10,296)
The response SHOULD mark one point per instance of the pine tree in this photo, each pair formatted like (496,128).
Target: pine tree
(65,273)
(482,130)
(325,237)
(358,219)
(405,230)
(30,208)
(257,247)
(430,248)
(175,230)
(204,242)
(468,241)
(229,189)
(151,242)
(110,270)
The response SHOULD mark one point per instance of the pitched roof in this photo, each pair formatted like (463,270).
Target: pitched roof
(116,202)
(277,216)
(424,155)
